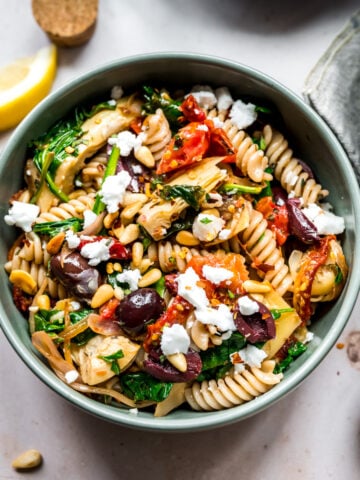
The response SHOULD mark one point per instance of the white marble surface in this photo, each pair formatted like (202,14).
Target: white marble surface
(312,434)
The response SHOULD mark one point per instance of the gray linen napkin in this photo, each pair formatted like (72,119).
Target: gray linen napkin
(333,89)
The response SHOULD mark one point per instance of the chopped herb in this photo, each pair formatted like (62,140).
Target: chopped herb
(160,286)
(191,194)
(260,142)
(262,109)
(141,386)
(53,228)
(295,351)
(277,312)
(155,99)
(238,189)
(113,360)
(230,294)
(205,220)
(156,180)
(339,275)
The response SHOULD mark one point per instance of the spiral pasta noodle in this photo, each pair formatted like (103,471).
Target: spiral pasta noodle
(93,172)
(288,170)
(234,389)
(79,201)
(156,133)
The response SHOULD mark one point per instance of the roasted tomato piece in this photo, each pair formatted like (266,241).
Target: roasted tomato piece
(188,146)
(220,145)
(276,217)
(191,110)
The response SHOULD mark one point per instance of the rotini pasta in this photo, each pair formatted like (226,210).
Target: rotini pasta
(156,265)
(288,170)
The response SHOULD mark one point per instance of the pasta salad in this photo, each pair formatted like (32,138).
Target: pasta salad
(173,250)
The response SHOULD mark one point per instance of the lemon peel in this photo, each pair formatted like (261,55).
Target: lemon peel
(24,83)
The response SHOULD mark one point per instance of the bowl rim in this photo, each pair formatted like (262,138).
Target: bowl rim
(207,420)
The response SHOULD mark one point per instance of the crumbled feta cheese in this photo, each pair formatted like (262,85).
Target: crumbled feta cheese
(72,239)
(117,92)
(252,356)
(221,317)
(96,252)
(112,103)
(224,99)
(204,95)
(131,277)
(216,275)
(22,215)
(71,376)
(75,305)
(133,411)
(242,114)
(137,169)
(206,227)
(174,339)
(224,234)
(89,218)
(188,288)
(247,306)
(326,223)
(239,367)
(113,189)
(309,337)
(126,141)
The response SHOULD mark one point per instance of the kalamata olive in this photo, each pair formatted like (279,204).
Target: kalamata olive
(166,372)
(138,308)
(257,327)
(299,225)
(74,272)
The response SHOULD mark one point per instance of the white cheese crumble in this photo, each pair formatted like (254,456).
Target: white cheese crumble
(217,122)
(252,356)
(247,306)
(188,288)
(309,337)
(221,317)
(216,275)
(207,227)
(225,234)
(96,252)
(89,218)
(72,239)
(224,98)
(116,92)
(174,339)
(126,141)
(71,376)
(204,95)
(242,114)
(133,411)
(131,277)
(326,222)
(113,189)
(22,215)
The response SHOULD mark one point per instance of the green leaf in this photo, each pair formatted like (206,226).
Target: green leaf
(113,360)
(49,321)
(53,228)
(155,99)
(262,109)
(339,275)
(293,352)
(220,355)
(141,386)
(190,193)
(205,220)
(160,286)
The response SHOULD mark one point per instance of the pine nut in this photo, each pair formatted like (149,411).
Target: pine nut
(23,280)
(145,265)
(104,293)
(54,244)
(150,277)
(130,234)
(130,211)
(109,268)
(211,211)
(30,459)
(137,254)
(178,360)
(187,238)
(119,293)
(130,198)
(110,219)
(144,156)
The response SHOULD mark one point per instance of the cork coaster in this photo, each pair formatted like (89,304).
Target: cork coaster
(68,23)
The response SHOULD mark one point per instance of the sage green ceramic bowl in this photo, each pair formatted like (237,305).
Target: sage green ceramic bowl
(314,142)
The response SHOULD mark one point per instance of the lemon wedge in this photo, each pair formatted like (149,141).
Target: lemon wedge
(24,83)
